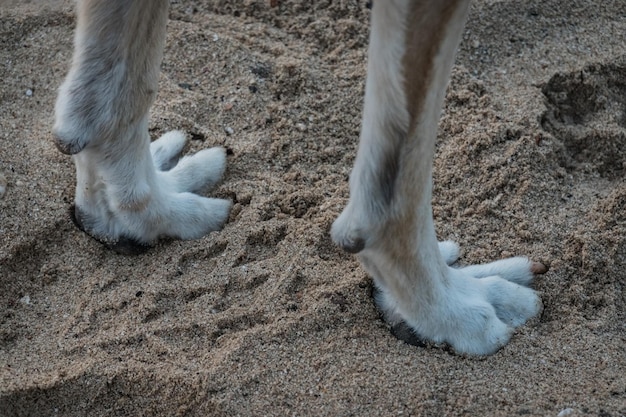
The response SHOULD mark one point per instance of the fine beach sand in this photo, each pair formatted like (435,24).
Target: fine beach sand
(267,317)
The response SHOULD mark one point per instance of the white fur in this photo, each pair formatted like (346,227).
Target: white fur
(110,189)
(166,150)
(475,316)
(128,187)
(450,251)
(384,101)
(439,303)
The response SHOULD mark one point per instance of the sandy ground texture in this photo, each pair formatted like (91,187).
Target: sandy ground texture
(267,317)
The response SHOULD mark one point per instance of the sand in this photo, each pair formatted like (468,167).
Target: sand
(267,317)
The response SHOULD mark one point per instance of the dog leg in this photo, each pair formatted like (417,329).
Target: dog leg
(388,220)
(126,195)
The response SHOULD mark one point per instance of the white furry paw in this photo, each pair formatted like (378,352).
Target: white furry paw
(473,309)
(148,192)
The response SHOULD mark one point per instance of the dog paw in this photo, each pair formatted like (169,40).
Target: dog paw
(148,193)
(473,309)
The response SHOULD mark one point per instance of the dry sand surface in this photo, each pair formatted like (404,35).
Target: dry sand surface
(267,317)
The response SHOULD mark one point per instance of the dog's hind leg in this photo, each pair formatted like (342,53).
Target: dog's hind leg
(388,220)
(124,194)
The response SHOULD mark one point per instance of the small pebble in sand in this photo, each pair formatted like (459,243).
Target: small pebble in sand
(301,127)
(565,412)
(3,185)
(25,300)
(229,130)
(29,92)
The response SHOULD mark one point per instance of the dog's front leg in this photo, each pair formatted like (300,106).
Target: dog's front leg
(388,220)
(125,193)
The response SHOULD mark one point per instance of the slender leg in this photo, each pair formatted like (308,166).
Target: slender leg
(388,220)
(122,197)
